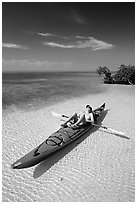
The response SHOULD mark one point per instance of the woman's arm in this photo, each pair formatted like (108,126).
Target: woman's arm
(81,119)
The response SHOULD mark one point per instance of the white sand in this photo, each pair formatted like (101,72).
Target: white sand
(98,167)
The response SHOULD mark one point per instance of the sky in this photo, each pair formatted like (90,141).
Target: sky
(70,36)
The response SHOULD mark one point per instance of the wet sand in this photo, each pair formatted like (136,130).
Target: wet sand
(97,167)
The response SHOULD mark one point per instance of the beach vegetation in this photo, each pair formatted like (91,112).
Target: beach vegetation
(124,75)
(107,74)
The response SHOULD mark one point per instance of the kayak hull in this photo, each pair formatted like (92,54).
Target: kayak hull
(55,142)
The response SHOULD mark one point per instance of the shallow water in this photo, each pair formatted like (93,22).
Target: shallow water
(34,90)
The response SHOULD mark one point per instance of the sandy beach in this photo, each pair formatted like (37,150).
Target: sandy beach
(98,167)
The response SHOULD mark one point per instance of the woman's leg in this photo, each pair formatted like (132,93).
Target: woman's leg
(74,117)
(81,119)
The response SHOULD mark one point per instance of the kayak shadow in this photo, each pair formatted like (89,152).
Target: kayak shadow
(50,161)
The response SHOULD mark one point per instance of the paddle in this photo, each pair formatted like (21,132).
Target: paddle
(59,115)
(104,127)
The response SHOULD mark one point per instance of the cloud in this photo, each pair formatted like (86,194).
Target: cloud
(14,46)
(33,63)
(45,34)
(81,37)
(52,44)
(82,42)
(76,17)
(94,44)
(39,33)
(51,35)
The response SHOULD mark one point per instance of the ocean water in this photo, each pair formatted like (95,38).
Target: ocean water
(34,90)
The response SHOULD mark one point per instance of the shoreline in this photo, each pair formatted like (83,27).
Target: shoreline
(100,168)
(15,108)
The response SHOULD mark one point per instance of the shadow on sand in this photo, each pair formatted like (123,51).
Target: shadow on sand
(50,161)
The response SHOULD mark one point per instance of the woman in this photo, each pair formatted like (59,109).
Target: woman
(81,119)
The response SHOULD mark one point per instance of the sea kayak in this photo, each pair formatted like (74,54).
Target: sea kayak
(55,142)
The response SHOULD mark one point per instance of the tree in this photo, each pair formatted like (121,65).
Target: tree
(104,70)
(125,75)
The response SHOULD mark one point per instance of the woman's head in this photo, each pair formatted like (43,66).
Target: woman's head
(89,108)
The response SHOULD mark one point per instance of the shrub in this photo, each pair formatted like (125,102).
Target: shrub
(125,75)
(107,74)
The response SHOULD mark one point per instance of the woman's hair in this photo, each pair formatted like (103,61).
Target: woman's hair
(88,106)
